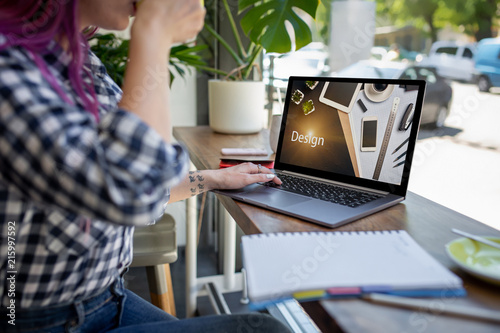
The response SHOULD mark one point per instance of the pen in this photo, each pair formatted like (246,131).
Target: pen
(436,307)
(401,145)
(397,158)
(362,105)
(476,238)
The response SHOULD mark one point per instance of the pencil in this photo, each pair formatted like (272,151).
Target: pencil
(397,158)
(436,307)
(401,145)
(400,163)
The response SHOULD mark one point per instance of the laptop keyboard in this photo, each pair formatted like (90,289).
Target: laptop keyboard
(323,191)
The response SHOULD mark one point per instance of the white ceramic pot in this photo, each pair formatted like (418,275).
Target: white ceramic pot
(236,107)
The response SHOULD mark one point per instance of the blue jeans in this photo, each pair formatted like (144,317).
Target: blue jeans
(119,310)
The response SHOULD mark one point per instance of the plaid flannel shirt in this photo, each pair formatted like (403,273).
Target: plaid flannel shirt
(59,168)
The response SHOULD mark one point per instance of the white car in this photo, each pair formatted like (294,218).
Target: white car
(452,60)
(438,92)
(308,61)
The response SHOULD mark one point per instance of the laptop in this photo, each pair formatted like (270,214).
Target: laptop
(344,151)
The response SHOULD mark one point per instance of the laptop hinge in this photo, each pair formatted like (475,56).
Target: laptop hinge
(332,182)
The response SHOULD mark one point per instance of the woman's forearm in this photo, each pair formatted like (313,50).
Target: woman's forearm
(146,83)
(158,25)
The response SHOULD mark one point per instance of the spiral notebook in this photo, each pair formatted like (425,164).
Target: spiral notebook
(333,264)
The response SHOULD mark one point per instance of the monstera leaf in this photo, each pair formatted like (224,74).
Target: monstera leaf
(264,23)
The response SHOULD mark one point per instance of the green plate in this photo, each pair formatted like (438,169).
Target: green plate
(478,259)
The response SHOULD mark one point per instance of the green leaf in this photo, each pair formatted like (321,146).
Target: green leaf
(264,22)
(183,49)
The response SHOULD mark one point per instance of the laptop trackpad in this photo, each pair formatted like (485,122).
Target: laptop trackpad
(269,196)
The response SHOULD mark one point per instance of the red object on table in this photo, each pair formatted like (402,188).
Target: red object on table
(225,163)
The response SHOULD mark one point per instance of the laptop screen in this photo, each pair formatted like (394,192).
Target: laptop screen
(361,131)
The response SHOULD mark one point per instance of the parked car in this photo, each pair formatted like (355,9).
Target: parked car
(452,60)
(487,63)
(308,61)
(401,54)
(373,68)
(438,93)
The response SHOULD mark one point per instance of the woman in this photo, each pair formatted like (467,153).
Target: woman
(82,163)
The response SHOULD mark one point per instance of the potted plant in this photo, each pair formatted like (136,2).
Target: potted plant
(235,97)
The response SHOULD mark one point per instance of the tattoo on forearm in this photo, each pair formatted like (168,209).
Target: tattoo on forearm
(197,182)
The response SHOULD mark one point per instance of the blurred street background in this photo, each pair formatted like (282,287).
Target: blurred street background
(457,158)
(458,165)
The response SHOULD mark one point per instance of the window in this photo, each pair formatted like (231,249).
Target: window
(467,53)
(427,75)
(447,50)
(410,74)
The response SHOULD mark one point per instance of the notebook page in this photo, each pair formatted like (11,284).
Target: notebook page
(280,264)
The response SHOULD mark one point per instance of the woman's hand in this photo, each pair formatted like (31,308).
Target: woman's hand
(231,178)
(171,21)
(242,175)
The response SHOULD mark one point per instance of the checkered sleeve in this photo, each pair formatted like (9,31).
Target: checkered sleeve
(53,153)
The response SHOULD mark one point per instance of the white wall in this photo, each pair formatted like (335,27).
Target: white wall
(183,100)
(352,32)
(183,112)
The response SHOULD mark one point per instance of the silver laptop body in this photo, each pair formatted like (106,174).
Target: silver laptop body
(357,135)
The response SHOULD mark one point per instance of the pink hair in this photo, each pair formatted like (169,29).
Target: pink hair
(33,24)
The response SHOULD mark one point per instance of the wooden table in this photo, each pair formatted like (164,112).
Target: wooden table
(426,221)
